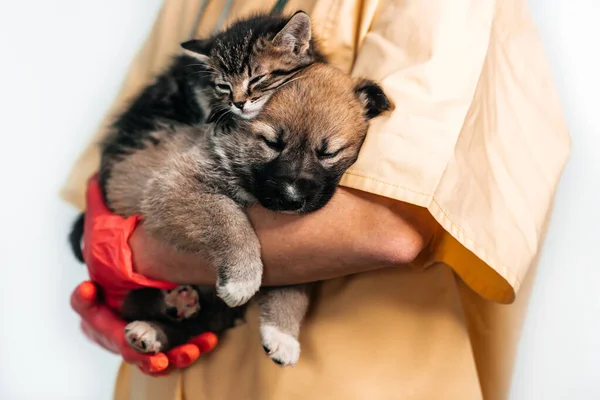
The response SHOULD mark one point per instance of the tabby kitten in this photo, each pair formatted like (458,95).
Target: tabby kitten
(253,58)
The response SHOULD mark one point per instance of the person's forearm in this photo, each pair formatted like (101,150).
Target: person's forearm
(355,232)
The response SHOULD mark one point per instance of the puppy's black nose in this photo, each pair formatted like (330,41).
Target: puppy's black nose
(239,104)
(291,203)
(172,312)
(291,198)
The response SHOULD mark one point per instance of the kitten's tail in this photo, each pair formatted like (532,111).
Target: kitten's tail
(76,235)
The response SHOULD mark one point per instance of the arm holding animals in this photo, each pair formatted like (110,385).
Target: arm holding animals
(355,232)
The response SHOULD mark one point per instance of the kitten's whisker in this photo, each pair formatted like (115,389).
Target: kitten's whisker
(282,85)
(206,73)
(222,116)
(288,82)
(220,108)
(225,115)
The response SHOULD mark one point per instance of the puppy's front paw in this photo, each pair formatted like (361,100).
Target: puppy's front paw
(281,347)
(235,294)
(142,337)
(236,290)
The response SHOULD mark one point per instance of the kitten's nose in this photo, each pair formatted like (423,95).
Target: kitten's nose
(239,104)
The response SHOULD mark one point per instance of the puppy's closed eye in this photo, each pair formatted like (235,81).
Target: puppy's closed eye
(328,154)
(275,144)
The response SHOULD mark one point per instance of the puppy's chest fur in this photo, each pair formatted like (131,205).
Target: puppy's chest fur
(171,160)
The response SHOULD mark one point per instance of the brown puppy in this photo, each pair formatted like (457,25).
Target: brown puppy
(192,185)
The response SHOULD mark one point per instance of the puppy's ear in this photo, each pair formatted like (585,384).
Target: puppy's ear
(197,48)
(296,34)
(372,97)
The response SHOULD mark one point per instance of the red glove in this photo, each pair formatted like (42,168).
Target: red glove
(103,326)
(108,258)
(106,250)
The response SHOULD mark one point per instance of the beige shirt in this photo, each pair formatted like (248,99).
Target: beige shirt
(476,137)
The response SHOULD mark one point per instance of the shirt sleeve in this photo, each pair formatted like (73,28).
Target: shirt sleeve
(476,134)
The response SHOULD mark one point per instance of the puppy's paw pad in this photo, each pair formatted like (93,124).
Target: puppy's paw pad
(142,337)
(182,302)
(281,347)
(235,294)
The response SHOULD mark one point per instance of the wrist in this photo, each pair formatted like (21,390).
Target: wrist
(155,259)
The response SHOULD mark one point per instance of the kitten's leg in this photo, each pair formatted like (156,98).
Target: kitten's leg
(178,209)
(281,313)
(154,337)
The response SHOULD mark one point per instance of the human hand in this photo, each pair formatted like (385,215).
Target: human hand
(104,327)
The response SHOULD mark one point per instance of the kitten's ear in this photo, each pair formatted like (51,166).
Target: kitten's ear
(296,34)
(197,48)
(372,97)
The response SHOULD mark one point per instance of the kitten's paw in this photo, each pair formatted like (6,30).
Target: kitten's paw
(282,348)
(237,293)
(182,302)
(142,337)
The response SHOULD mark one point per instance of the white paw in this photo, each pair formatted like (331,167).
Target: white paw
(142,337)
(235,294)
(182,302)
(281,347)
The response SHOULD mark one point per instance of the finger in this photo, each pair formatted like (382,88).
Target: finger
(164,372)
(104,320)
(179,357)
(206,341)
(183,356)
(84,296)
(150,362)
(155,363)
(87,291)
(99,339)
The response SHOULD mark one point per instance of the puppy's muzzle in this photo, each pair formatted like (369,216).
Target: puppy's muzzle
(287,195)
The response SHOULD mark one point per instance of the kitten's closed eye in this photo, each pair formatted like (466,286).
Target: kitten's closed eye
(222,87)
(257,79)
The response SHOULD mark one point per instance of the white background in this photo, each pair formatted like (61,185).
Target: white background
(62,64)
